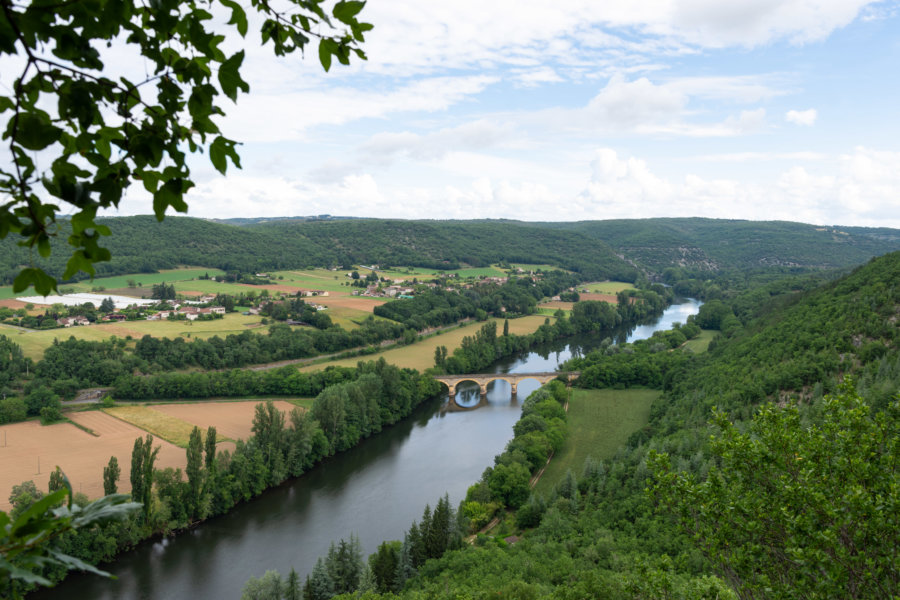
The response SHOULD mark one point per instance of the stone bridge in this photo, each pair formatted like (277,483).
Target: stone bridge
(513,379)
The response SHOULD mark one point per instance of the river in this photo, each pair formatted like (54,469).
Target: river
(373,491)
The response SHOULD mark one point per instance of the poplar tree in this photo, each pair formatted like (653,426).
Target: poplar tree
(111,474)
(137,470)
(210,457)
(194,470)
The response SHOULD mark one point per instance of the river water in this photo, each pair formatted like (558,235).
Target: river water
(373,491)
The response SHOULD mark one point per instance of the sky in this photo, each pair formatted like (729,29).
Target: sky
(576,110)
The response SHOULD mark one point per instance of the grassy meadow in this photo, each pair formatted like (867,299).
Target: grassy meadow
(146,280)
(605,287)
(159,424)
(701,343)
(600,421)
(34,342)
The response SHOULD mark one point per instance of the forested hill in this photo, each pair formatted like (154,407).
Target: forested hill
(141,244)
(594,249)
(451,244)
(717,244)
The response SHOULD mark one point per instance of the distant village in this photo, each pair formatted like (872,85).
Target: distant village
(82,309)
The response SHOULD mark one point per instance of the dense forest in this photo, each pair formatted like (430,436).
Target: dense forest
(621,250)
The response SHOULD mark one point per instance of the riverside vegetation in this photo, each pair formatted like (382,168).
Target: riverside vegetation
(351,404)
(687,509)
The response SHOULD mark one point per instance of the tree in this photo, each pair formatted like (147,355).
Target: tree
(143,455)
(111,474)
(291,587)
(29,539)
(56,480)
(22,496)
(210,458)
(795,510)
(105,133)
(194,471)
(267,587)
(107,305)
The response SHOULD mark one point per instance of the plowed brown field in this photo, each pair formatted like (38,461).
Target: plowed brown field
(79,454)
(231,419)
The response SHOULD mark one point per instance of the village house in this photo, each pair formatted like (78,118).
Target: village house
(70,321)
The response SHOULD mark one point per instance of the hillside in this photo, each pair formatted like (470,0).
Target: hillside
(141,244)
(715,244)
(604,536)
(594,249)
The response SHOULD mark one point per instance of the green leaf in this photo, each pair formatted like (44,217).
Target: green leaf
(34,130)
(230,77)
(346,12)
(327,47)
(238,16)
(43,283)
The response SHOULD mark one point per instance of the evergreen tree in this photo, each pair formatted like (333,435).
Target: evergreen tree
(505,327)
(383,565)
(107,305)
(291,588)
(111,476)
(319,582)
(405,567)
(344,565)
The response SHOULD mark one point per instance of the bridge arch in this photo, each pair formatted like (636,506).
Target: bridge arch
(513,379)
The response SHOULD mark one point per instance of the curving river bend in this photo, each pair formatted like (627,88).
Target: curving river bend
(374,491)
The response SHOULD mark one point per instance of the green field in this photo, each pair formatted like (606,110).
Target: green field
(34,343)
(530,267)
(600,421)
(121,281)
(421,273)
(701,343)
(420,355)
(316,279)
(605,287)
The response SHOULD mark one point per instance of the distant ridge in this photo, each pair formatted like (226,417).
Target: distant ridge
(618,249)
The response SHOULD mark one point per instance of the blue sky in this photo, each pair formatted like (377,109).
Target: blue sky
(751,109)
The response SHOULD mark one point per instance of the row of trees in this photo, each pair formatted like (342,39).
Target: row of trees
(433,308)
(77,363)
(370,397)
(478,351)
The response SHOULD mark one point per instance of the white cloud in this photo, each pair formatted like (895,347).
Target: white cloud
(801,117)
(856,188)
(273,118)
(474,34)
(627,104)
(754,22)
